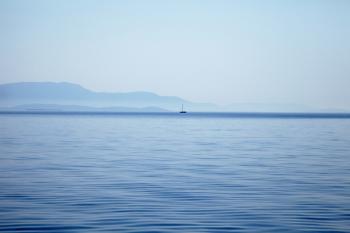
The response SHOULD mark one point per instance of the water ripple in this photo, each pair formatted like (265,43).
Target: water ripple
(137,173)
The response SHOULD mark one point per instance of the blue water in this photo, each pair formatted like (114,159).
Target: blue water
(174,173)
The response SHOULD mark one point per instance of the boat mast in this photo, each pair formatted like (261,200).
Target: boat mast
(182,108)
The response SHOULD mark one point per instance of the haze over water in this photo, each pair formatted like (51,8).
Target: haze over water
(82,149)
(173,173)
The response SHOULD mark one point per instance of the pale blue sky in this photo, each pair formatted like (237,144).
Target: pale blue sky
(207,51)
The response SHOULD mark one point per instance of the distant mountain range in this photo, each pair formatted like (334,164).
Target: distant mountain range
(63,96)
(69,96)
(76,108)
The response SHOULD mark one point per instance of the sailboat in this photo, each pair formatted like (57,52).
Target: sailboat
(182,109)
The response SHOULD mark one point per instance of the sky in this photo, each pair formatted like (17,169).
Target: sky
(223,52)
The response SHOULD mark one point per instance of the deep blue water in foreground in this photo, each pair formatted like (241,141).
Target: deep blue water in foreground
(174,173)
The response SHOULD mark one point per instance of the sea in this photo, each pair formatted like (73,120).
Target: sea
(171,172)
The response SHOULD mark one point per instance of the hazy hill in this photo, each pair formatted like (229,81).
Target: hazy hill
(73,97)
(76,108)
(49,93)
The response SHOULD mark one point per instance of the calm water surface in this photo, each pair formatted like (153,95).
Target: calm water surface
(173,173)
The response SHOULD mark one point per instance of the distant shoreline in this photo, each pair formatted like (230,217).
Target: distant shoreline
(190,114)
